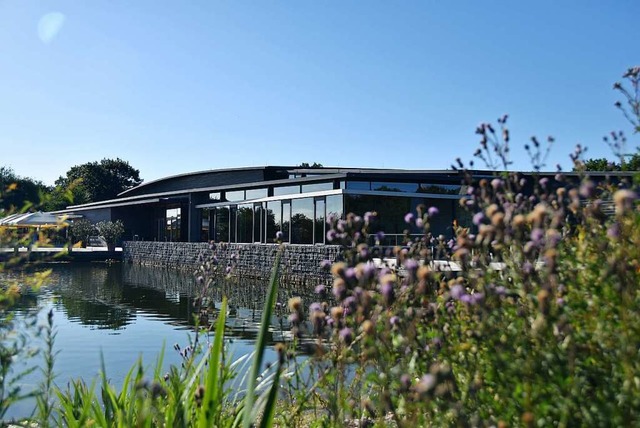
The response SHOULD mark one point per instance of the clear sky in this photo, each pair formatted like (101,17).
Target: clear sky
(174,86)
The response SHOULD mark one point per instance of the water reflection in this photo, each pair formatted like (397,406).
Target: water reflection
(113,296)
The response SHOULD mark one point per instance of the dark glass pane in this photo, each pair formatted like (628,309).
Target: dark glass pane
(233,226)
(236,195)
(245,223)
(205,224)
(334,206)
(286,190)
(319,222)
(440,189)
(302,221)
(286,220)
(390,213)
(273,220)
(359,185)
(222,225)
(256,193)
(395,187)
(316,187)
(257,223)
(172,224)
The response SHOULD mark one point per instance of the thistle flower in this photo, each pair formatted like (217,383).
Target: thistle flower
(408,218)
(433,211)
(623,200)
(346,335)
(387,292)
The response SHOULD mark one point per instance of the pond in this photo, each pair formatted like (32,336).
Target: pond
(127,312)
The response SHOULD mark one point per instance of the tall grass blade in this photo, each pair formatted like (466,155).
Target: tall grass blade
(272,293)
(211,404)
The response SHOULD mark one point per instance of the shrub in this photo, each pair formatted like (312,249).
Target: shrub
(81,230)
(111,231)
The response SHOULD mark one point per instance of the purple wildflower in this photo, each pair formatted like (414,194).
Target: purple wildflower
(456,292)
(478,218)
(387,292)
(408,218)
(368,217)
(346,335)
(537,235)
(433,211)
(315,307)
(279,235)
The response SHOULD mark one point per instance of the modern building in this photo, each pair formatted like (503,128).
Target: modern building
(249,205)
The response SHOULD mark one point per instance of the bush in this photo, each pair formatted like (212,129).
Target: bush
(81,230)
(111,231)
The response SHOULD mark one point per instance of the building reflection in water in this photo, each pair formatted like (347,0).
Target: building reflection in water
(103,296)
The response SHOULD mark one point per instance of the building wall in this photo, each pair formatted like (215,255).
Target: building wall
(299,264)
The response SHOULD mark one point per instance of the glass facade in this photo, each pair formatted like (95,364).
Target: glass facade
(302,211)
(316,187)
(245,223)
(257,193)
(286,190)
(319,222)
(233,196)
(172,224)
(273,220)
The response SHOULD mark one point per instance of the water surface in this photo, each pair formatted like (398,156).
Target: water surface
(127,312)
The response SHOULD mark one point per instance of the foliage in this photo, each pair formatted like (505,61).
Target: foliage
(602,164)
(111,231)
(18,192)
(307,165)
(81,229)
(101,180)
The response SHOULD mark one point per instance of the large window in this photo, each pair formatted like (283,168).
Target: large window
(395,187)
(316,187)
(302,221)
(334,206)
(245,223)
(319,222)
(221,224)
(286,190)
(256,193)
(172,224)
(286,220)
(235,195)
(273,220)
(207,221)
(258,229)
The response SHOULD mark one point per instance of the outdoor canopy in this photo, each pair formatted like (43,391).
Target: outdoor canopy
(37,219)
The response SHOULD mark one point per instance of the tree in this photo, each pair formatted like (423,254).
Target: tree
(18,193)
(101,180)
(306,165)
(602,164)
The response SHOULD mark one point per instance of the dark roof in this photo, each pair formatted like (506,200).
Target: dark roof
(227,179)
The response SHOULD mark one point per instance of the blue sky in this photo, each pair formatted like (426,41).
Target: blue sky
(186,86)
